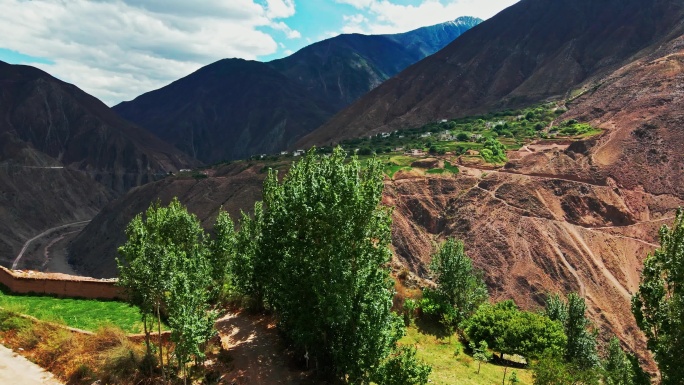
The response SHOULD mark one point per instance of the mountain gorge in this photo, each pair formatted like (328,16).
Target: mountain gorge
(234,108)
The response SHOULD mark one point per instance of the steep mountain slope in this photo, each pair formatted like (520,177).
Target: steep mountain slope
(234,108)
(533,50)
(233,187)
(64,155)
(80,132)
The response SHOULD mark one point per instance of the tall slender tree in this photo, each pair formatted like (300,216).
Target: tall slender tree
(325,248)
(581,348)
(458,284)
(165,267)
(658,305)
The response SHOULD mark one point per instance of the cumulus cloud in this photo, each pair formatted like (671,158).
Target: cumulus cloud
(385,16)
(118,49)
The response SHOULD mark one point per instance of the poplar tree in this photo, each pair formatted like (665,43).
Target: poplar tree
(325,251)
(658,305)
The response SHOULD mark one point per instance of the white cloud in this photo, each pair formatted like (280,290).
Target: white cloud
(118,49)
(289,32)
(384,16)
(280,9)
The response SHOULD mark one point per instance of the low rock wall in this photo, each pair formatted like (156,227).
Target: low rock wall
(60,285)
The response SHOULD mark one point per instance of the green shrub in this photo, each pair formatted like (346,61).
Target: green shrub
(14,323)
(402,368)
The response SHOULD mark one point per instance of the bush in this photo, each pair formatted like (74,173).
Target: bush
(365,151)
(14,322)
(402,368)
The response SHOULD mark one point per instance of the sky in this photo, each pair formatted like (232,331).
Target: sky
(118,49)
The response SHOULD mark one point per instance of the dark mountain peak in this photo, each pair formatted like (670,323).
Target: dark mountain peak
(235,108)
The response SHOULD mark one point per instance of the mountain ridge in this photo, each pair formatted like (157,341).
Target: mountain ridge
(303,91)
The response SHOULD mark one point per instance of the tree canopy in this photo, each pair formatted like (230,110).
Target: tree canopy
(581,348)
(165,267)
(508,330)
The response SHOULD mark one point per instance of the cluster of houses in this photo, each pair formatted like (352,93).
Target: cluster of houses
(294,153)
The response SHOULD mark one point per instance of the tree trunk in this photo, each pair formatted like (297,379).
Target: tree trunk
(147,335)
(503,382)
(161,344)
(479,363)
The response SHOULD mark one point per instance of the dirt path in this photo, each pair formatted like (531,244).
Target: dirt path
(15,369)
(252,342)
(44,233)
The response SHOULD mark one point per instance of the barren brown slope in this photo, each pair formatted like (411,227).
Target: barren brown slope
(642,107)
(533,50)
(534,235)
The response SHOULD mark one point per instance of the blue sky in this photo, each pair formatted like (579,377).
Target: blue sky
(119,49)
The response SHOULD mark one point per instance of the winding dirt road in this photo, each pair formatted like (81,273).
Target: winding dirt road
(44,233)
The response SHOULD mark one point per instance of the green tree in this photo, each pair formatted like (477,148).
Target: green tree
(190,317)
(658,305)
(551,369)
(508,330)
(459,285)
(481,353)
(617,367)
(581,347)
(222,250)
(246,264)
(325,244)
(165,266)
(494,151)
(556,308)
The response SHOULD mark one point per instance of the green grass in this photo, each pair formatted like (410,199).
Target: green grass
(402,160)
(461,369)
(436,171)
(83,314)
(450,168)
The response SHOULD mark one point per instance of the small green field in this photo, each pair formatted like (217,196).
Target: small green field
(448,368)
(83,314)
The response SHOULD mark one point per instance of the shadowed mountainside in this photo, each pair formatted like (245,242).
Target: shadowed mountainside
(234,108)
(64,155)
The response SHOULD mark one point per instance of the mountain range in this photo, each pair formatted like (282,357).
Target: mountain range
(559,216)
(529,52)
(235,108)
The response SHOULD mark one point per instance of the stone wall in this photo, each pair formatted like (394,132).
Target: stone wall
(60,285)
